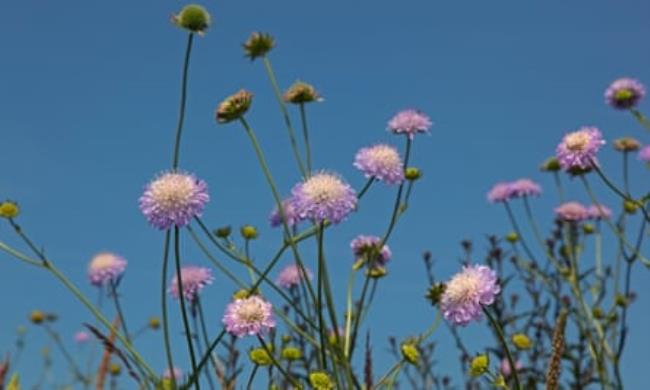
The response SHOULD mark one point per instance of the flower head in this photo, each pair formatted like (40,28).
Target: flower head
(598,211)
(522,341)
(300,93)
(500,192)
(324,196)
(525,187)
(410,122)
(289,214)
(381,162)
(173,199)
(627,144)
(578,149)
(551,164)
(9,209)
(365,247)
(291,275)
(571,212)
(644,154)
(193,279)
(234,106)
(260,356)
(467,292)
(194,18)
(81,337)
(479,365)
(258,44)
(248,316)
(320,380)
(105,267)
(624,93)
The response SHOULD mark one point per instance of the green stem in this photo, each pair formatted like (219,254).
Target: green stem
(305,135)
(625,196)
(503,341)
(275,362)
(57,340)
(642,119)
(204,360)
(398,198)
(181,114)
(165,315)
(118,308)
(558,186)
(365,188)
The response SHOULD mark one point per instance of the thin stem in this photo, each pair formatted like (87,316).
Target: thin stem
(165,316)
(625,196)
(365,188)
(269,352)
(305,135)
(118,308)
(398,198)
(249,384)
(208,354)
(195,325)
(642,119)
(57,340)
(181,114)
(503,341)
(515,226)
(558,186)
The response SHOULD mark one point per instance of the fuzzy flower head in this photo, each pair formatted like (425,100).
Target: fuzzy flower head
(525,187)
(291,275)
(410,122)
(644,154)
(571,212)
(467,292)
(81,337)
(258,45)
(324,196)
(194,279)
(599,211)
(500,192)
(381,162)
(624,93)
(234,106)
(301,93)
(365,247)
(193,18)
(578,149)
(173,199)
(248,316)
(290,214)
(105,267)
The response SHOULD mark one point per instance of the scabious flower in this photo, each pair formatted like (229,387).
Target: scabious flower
(410,122)
(234,106)
(505,368)
(105,267)
(381,162)
(572,212)
(175,373)
(644,154)
(194,279)
(500,192)
(81,337)
(624,93)
(599,211)
(248,316)
(194,18)
(258,45)
(578,149)
(626,144)
(466,293)
(174,198)
(290,214)
(324,196)
(363,246)
(301,93)
(525,187)
(291,275)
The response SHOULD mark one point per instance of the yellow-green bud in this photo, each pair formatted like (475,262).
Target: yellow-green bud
(500,382)
(222,232)
(521,341)
(234,106)
(115,369)
(435,293)
(412,173)
(9,209)
(249,232)
(300,93)
(620,300)
(588,228)
(597,312)
(291,353)
(260,357)
(512,237)
(550,165)
(194,18)
(479,365)
(154,323)
(37,317)
(241,294)
(258,45)
(410,353)
(630,207)
(320,380)
(376,272)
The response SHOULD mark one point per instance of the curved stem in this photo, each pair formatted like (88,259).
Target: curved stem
(503,341)
(118,308)
(165,315)
(208,354)
(181,114)
(642,119)
(625,196)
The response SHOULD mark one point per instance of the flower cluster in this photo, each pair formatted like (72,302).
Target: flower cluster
(410,122)
(504,191)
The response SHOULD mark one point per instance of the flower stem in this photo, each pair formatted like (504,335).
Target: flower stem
(503,341)
(118,308)
(165,316)
(181,114)
(305,135)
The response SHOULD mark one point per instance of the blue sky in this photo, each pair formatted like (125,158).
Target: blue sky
(88,106)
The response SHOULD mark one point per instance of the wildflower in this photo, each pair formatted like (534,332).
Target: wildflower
(525,187)
(626,144)
(410,122)
(598,211)
(521,341)
(624,93)
(175,373)
(588,228)
(578,149)
(300,93)
(249,232)
(621,300)
(550,165)
(9,209)
(258,45)
(434,294)
(289,214)
(193,279)
(260,356)
(37,317)
(410,352)
(381,162)
(291,353)
(571,212)
(234,106)
(81,337)
(505,368)
(248,316)
(320,380)
(630,207)
(194,18)
(366,249)
(467,292)
(115,369)
(291,275)
(500,382)
(644,154)
(105,268)
(412,174)
(154,323)
(479,365)
(173,199)
(324,196)
(512,237)
(500,192)
(222,232)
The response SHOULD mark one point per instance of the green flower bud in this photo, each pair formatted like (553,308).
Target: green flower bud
(234,106)
(521,341)
(376,272)
(620,300)
(258,45)
(194,18)
(222,232)
(435,293)
(550,165)
(412,173)
(291,353)
(154,323)
(320,380)
(249,232)
(9,209)
(260,357)
(588,228)
(37,317)
(410,352)
(115,369)
(597,312)
(479,365)
(512,237)
(300,93)
(630,207)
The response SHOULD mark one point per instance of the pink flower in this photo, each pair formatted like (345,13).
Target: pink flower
(248,316)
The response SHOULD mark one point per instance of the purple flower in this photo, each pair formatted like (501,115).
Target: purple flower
(578,149)
(599,212)
(500,192)
(81,337)
(410,122)
(289,214)
(505,367)
(624,93)
(467,292)
(248,316)
(173,198)
(105,267)
(176,373)
(194,279)
(644,154)
(324,196)
(571,212)
(363,246)
(525,187)
(381,162)
(291,276)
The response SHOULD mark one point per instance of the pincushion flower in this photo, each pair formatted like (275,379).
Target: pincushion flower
(624,93)
(500,192)
(324,196)
(291,275)
(248,316)
(599,211)
(578,149)
(571,212)
(525,187)
(381,162)
(410,122)
(81,337)
(173,199)
(364,246)
(290,214)
(105,267)
(466,293)
(193,279)
(644,154)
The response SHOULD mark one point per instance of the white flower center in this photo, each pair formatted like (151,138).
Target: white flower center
(577,141)
(384,156)
(462,288)
(103,261)
(172,190)
(250,312)
(323,188)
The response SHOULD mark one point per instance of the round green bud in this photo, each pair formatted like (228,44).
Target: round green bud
(435,293)
(320,380)
(412,173)
(550,165)
(9,209)
(115,369)
(588,228)
(512,237)
(597,312)
(620,300)
(249,232)
(479,365)
(630,207)
(154,323)
(37,317)
(260,356)
(291,353)
(222,232)
(521,341)
(258,45)
(194,18)
(410,352)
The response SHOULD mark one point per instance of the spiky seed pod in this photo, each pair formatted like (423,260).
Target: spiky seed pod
(555,362)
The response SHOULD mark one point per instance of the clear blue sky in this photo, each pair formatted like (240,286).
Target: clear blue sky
(88,104)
